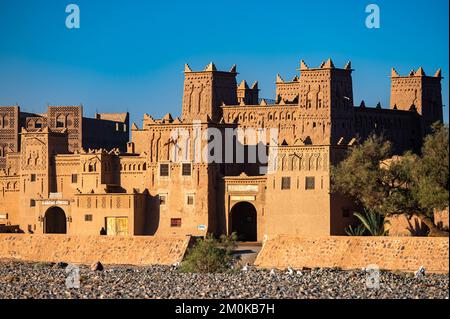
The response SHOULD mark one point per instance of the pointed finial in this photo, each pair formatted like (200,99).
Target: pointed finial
(438,73)
(233,69)
(187,68)
(363,104)
(263,102)
(378,105)
(295,79)
(279,79)
(243,85)
(329,64)
(255,85)
(420,72)
(394,73)
(348,66)
(303,65)
(210,67)
(322,64)
(411,73)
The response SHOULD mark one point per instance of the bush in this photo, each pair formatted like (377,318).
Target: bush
(210,255)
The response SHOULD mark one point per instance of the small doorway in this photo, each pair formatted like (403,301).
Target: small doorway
(244,221)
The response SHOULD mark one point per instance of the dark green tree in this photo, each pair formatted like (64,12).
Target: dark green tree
(410,184)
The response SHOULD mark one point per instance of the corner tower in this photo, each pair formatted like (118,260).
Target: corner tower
(206,91)
(418,91)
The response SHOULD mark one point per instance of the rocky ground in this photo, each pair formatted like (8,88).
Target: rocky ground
(45,280)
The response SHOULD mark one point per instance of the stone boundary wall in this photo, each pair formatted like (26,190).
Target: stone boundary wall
(89,249)
(390,253)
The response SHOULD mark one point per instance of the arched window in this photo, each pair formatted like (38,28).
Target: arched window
(60,121)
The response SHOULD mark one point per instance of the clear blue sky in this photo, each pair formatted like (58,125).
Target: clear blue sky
(129,55)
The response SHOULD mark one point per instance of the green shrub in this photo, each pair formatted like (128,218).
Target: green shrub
(209,255)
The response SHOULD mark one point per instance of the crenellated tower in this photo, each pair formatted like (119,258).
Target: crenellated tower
(420,92)
(248,95)
(326,102)
(206,91)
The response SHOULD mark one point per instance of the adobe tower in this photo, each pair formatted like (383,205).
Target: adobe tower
(206,91)
(420,92)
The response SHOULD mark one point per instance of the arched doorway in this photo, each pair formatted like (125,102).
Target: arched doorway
(55,221)
(243,221)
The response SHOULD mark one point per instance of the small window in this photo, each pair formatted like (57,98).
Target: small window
(175,222)
(164,170)
(33,177)
(88,217)
(285,183)
(345,212)
(310,183)
(186,169)
(162,200)
(74,178)
(190,200)
(32,203)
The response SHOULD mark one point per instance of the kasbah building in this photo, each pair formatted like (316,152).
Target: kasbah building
(63,173)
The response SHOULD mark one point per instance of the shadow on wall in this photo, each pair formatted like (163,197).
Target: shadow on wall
(419,229)
(153,214)
(11,229)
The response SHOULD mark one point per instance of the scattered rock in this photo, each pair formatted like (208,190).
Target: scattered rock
(24,280)
(290,271)
(97,266)
(420,273)
(60,265)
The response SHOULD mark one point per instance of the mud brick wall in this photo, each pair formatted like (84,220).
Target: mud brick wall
(391,253)
(89,249)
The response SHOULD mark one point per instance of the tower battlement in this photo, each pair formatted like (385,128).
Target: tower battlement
(206,91)
(420,92)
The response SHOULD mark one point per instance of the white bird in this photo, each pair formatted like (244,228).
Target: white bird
(272,272)
(245,268)
(420,273)
(176,264)
(290,271)
(299,273)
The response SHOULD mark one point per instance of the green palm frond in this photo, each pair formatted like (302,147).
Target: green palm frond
(373,222)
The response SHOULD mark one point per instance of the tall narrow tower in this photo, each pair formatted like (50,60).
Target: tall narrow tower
(206,91)
(418,91)
(326,102)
